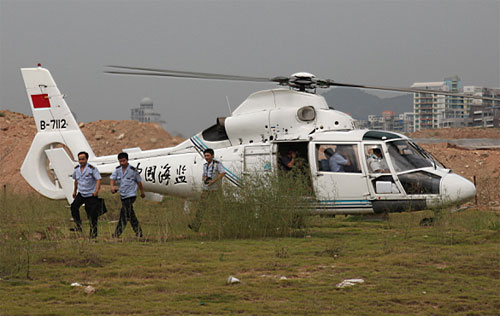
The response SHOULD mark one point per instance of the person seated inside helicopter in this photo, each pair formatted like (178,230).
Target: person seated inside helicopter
(293,161)
(289,160)
(337,160)
(323,163)
(376,162)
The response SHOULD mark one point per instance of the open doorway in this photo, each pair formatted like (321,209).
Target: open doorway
(292,155)
(293,164)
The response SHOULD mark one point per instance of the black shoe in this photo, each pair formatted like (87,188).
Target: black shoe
(193,228)
(75,229)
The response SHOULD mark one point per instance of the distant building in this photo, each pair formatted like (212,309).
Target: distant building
(456,112)
(389,121)
(483,113)
(429,108)
(145,113)
(404,123)
(438,111)
(375,122)
(361,124)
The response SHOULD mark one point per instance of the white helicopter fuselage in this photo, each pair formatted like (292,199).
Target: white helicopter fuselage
(264,128)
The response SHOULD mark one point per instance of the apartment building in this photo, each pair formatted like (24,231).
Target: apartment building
(429,108)
(438,111)
(483,113)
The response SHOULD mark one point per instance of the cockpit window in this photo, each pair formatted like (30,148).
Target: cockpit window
(420,182)
(405,156)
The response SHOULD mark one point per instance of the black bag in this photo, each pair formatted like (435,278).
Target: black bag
(102,207)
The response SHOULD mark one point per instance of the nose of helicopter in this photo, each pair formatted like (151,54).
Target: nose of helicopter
(456,189)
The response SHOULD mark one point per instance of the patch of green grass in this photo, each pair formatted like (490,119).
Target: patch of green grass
(450,267)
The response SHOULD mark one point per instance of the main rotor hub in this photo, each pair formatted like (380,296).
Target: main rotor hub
(303,81)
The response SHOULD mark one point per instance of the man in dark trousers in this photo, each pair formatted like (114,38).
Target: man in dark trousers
(87,185)
(128,179)
(213,172)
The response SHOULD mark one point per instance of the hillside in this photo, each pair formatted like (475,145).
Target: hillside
(361,104)
(105,137)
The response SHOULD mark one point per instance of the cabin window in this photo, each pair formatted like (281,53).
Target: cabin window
(375,159)
(338,158)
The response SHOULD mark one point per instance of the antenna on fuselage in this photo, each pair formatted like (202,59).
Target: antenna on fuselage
(228,105)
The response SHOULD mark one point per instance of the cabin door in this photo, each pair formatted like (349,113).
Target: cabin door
(337,173)
(257,158)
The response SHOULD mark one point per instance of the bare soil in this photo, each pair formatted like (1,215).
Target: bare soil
(457,133)
(483,165)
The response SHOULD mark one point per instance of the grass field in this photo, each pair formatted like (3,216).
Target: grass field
(449,268)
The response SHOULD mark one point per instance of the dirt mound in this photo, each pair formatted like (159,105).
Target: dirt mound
(483,164)
(110,137)
(105,137)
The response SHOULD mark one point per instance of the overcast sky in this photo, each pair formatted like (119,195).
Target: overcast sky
(368,42)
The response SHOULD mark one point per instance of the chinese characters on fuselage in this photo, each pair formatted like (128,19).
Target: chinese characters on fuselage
(162,173)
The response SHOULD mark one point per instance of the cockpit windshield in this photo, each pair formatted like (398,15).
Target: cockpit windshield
(406,156)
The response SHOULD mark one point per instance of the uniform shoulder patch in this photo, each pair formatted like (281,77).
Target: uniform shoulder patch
(133,168)
(91,167)
(117,167)
(77,166)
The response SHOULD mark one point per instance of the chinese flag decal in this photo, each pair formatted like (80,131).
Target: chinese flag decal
(40,101)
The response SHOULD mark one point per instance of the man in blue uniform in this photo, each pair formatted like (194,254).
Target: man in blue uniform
(213,171)
(87,185)
(128,179)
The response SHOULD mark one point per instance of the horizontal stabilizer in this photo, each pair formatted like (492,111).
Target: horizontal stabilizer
(65,166)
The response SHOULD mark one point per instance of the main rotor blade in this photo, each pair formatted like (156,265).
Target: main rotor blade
(182,74)
(411,90)
(158,72)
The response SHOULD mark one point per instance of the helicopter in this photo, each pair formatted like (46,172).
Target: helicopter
(263,128)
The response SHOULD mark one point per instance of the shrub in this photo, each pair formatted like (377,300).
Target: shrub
(264,205)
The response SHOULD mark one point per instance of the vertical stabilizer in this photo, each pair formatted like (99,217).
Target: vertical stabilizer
(56,126)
